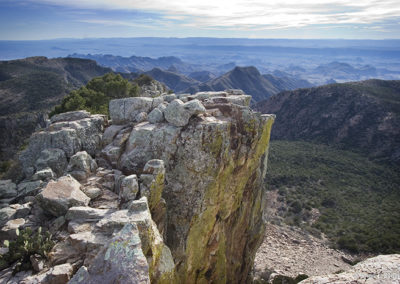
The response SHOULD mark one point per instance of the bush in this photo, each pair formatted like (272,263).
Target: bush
(143,79)
(95,96)
(26,244)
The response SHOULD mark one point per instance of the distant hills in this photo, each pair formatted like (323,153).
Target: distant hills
(31,87)
(362,116)
(37,83)
(174,81)
(250,80)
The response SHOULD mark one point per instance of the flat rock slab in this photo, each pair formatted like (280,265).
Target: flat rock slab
(58,196)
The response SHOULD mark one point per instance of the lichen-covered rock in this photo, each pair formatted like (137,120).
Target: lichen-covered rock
(214,171)
(60,195)
(120,261)
(81,165)
(152,182)
(129,188)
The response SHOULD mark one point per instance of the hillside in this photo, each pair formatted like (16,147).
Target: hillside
(354,201)
(30,87)
(250,80)
(361,116)
(34,83)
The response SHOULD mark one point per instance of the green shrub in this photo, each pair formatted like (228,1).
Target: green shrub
(95,96)
(27,243)
(143,79)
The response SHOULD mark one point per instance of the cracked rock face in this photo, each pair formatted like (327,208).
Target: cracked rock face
(169,193)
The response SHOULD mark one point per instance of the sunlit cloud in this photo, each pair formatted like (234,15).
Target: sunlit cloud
(252,14)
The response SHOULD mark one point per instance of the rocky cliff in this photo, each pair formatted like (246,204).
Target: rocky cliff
(168,191)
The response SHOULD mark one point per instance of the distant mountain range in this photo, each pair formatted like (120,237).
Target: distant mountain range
(362,116)
(250,80)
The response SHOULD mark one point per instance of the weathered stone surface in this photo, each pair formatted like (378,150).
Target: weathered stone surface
(382,269)
(120,261)
(141,116)
(69,136)
(29,188)
(60,195)
(156,116)
(54,159)
(123,111)
(89,132)
(214,171)
(112,152)
(81,165)
(86,213)
(45,174)
(179,113)
(8,189)
(110,133)
(70,116)
(148,141)
(129,188)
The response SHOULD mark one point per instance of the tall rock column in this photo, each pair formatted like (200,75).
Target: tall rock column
(215,150)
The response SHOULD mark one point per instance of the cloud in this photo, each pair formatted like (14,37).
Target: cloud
(251,14)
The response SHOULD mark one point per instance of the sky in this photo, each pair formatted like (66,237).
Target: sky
(297,19)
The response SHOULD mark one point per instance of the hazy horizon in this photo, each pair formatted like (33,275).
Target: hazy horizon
(288,19)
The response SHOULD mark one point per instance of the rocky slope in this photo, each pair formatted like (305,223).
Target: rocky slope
(362,116)
(170,192)
(31,87)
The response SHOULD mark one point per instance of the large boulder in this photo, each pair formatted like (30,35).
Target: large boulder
(60,195)
(123,111)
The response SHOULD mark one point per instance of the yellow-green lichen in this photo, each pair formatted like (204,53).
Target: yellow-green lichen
(206,242)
